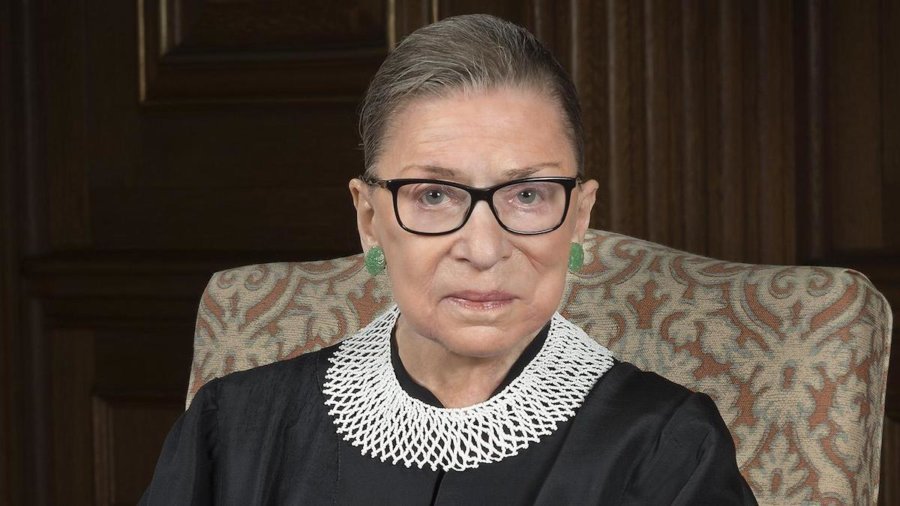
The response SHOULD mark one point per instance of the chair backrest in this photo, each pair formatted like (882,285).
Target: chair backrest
(795,357)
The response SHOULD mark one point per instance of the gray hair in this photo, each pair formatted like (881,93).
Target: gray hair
(465,53)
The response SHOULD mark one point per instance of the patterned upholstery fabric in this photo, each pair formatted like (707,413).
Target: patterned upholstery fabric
(795,357)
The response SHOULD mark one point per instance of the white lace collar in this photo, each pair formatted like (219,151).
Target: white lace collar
(372,411)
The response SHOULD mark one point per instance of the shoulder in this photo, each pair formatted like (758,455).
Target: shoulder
(624,382)
(680,448)
(659,403)
(281,387)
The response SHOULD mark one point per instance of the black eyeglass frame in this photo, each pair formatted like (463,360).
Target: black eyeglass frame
(477,195)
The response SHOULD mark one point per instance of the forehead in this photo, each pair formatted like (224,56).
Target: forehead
(480,137)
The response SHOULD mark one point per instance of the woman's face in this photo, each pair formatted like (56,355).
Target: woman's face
(480,291)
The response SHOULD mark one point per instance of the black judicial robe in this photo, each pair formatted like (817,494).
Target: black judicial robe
(264,437)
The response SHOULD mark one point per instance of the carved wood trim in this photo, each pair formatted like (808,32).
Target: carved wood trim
(169,72)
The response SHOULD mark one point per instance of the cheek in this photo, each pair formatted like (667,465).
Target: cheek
(549,261)
(549,252)
(412,265)
(554,282)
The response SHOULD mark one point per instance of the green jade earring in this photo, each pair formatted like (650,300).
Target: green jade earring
(375,260)
(576,257)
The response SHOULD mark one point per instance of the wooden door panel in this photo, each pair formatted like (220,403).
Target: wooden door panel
(128,433)
(195,50)
(114,396)
(185,136)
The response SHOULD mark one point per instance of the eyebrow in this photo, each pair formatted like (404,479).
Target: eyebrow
(437,170)
(434,170)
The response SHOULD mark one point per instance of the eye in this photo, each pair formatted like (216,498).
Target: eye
(427,195)
(527,196)
(433,196)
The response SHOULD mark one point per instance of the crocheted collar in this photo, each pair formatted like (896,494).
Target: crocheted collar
(372,411)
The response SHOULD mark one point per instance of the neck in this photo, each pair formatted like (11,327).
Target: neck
(456,380)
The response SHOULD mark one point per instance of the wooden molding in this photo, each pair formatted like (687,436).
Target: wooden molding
(192,60)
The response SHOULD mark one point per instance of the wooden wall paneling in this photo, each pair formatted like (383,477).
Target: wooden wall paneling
(281,50)
(405,16)
(10,424)
(128,431)
(72,368)
(664,115)
(747,123)
(809,138)
(32,220)
(112,410)
(185,219)
(37,403)
(890,463)
(890,124)
(112,291)
(137,396)
(712,169)
(726,204)
(209,174)
(112,123)
(713,76)
(774,188)
(590,57)
(853,126)
(278,25)
(516,11)
(693,128)
(198,188)
(628,135)
(553,24)
(69,227)
(119,358)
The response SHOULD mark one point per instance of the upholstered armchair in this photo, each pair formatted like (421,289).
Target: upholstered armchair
(795,357)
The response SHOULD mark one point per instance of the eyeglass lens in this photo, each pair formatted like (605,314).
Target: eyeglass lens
(527,207)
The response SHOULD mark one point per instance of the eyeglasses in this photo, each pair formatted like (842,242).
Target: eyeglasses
(530,206)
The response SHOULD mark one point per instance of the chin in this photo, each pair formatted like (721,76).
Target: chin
(483,340)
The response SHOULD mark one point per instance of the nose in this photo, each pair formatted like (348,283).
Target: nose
(482,242)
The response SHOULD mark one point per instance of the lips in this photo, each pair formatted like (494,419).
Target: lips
(473,299)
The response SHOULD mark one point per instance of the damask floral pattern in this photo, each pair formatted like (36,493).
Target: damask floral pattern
(795,357)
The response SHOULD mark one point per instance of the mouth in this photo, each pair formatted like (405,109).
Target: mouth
(481,301)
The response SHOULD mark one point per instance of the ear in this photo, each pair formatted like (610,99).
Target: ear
(587,195)
(365,213)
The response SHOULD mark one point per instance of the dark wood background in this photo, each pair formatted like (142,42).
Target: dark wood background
(145,144)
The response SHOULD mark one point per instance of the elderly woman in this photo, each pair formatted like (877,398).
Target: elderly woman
(472,389)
